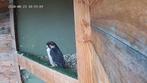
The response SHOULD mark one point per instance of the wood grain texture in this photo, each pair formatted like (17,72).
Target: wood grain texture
(44,73)
(5,43)
(13,49)
(8,64)
(87,73)
(122,63)
(120,41)
(124,20)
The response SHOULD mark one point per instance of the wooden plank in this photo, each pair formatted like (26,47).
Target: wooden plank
(87,73)
(13,49)
(122,63)
(124,20)
(44,73)
(132,36)
(5,43)
(121,39)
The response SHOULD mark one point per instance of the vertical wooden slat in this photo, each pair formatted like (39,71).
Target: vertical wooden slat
(11,10)
(82,28)
(90,70)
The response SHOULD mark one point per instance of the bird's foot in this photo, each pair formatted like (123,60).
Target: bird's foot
(52,66)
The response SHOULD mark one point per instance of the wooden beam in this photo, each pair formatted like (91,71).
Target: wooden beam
(87,71)
(13,50)
(44,73)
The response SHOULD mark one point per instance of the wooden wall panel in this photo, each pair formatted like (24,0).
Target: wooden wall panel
(5,43)
(125,20)
(120,39)
(44,73)
(122,63)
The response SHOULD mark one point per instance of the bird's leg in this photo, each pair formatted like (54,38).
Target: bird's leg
(53,65)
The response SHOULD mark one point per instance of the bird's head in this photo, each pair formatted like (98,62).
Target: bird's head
(51,44)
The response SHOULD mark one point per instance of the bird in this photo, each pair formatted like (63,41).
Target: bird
(55,55)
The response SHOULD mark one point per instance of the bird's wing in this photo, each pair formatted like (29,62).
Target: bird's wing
(57,55)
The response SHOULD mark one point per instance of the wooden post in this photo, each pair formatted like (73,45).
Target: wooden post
(11,11)
(90,70)
(83,32)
